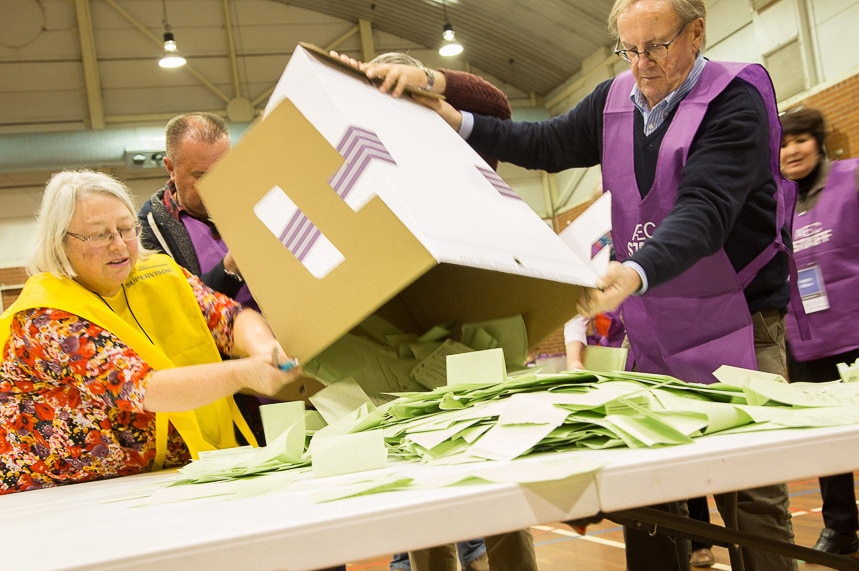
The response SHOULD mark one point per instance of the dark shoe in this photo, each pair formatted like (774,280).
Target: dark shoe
(831,541)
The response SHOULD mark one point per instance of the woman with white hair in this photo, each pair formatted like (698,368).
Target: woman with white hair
(111,357)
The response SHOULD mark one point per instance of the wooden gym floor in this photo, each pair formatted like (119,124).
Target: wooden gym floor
(559,548)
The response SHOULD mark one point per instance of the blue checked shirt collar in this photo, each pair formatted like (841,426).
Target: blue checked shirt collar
(653,118)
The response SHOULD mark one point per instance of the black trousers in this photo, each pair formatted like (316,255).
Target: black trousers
(839,503)
(838,494)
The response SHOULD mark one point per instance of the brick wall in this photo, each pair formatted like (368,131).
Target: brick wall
(11,280)
(838,105)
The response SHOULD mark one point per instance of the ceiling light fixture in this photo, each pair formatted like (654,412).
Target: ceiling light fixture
(449,47)
(171,57)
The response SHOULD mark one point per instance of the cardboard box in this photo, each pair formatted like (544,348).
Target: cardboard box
(343,202)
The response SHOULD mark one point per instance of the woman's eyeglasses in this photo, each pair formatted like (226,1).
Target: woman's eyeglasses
(127,234)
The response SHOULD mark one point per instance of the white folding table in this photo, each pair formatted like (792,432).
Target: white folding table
(94,526)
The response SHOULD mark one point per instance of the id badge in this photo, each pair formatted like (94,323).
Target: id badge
(812,289)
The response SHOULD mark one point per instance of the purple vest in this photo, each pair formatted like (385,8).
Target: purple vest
(700,320)
(828,236)
(210,251)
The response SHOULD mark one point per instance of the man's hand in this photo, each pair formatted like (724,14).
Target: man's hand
(618,283)
(451,116)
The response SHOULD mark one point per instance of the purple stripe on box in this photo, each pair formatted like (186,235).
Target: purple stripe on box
(358,147)
(498,183)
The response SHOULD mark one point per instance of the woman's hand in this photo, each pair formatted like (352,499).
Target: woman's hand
(346,59)
(396,77)
(575,356)
(262,375)
(192,386)
(269,369)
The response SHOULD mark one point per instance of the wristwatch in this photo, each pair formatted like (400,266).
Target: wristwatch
(430,78)
(235,275)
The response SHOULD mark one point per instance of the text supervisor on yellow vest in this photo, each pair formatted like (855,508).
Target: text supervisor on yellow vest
(111,356)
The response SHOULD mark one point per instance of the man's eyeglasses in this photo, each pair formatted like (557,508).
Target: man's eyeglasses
(656,51)
(127,234)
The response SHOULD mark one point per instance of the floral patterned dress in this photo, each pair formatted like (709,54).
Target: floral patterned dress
(71,398)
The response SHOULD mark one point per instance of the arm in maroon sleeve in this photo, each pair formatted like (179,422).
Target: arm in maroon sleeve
(468,92)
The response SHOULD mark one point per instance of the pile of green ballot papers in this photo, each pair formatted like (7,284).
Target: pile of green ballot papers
(478,422)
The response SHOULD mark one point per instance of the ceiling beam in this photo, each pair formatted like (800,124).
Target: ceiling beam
(92,80)
(582,79)
(368,47)
(334,45)
(231,47)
